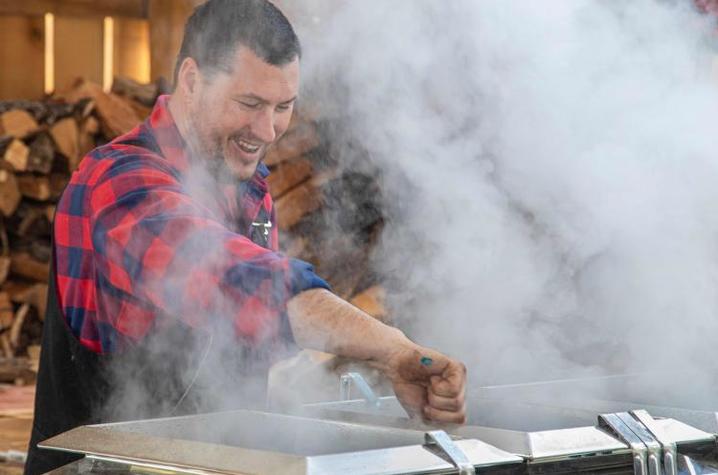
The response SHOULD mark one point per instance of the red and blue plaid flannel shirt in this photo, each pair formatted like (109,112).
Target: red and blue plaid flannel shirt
(134,245)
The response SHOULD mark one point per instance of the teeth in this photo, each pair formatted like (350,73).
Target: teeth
(246,146)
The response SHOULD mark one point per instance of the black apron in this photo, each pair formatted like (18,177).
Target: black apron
(75,386)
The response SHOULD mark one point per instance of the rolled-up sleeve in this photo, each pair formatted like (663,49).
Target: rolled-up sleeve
(158,251)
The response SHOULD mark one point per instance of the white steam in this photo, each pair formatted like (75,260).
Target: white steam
(550,169)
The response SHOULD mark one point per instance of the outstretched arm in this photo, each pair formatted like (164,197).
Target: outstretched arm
(426,382)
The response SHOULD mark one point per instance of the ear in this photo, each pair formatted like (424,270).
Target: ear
(188,77)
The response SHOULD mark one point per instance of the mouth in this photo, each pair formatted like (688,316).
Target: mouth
(246,146)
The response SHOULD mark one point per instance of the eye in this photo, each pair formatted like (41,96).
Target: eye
(283,107)
(252,105)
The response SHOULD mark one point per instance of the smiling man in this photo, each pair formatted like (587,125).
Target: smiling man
(166,261)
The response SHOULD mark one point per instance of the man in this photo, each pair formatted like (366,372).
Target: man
(165,254)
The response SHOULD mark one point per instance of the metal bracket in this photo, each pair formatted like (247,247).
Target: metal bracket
(616,426)
(654,448)
(670,451)
(654,452)
(457,456)
(345,385)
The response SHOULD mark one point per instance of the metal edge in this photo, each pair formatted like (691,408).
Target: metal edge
(182,454)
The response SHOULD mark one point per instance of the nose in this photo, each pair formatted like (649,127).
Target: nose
(263,125)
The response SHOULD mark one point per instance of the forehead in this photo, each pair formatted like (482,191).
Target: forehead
(247,73)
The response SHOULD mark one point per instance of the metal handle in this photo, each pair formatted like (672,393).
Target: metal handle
(618,427)
(654,465)
(639,465)
(670,464)
(457,456)
(345,384)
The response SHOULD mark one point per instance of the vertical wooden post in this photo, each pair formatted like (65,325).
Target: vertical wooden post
(167,19)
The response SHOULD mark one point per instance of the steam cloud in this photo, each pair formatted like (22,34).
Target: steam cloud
(550,171)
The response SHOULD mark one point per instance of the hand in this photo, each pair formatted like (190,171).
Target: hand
(433,389)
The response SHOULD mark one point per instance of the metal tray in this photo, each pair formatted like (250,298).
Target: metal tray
(253,442)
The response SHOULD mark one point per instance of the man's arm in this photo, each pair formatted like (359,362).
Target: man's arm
(157,249)
(426,382)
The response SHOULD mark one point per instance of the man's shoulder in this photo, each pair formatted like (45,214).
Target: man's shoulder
(133,151)
(137,142)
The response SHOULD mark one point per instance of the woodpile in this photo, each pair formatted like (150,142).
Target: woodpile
(328,213)
(327,216)
(41,144)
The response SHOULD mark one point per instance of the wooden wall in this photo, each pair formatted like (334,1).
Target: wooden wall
(132,49)
(147,35)
(21,56)
(78,52)
(167,19)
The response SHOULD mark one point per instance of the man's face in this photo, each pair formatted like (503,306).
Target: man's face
(234,116)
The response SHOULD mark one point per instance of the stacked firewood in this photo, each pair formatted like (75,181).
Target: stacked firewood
(41,144)
(327,215)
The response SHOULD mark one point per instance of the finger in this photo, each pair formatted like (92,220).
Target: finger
(446,403)
(452,417)
(451,383)
(448,387)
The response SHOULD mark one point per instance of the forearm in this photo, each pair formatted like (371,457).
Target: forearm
(322,321)
(427,383)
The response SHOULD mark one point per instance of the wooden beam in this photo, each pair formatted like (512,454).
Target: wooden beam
(167,19)
(123,8)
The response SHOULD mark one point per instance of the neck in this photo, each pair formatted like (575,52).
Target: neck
(177,110)
(181,119)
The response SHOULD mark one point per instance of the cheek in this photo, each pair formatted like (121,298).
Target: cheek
(282,124)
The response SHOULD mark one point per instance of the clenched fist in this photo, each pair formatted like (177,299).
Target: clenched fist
(428,384)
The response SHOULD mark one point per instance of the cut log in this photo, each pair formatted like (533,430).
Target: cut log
(40,250)
(58,182)
(293,206)
(42,154)
(91,126)
(6,347)
(17,154)
(372,301)
(116,113)
(343,264)
(145,94)
(35,187)
(9,191)
(88,131)
(12,369)
(17,123)
(288,175)
(33,221)
(297,142)
(66,135)
(35,295)
(4,268)
(6,312)
(85,108)
(50,213)
(49,112)
(17,289)
(293,246)
(23,265)
(302,200)
(17,323)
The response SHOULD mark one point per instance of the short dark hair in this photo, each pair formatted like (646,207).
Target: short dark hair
(218,27)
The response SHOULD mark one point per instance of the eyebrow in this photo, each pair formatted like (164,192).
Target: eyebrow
(261,99)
